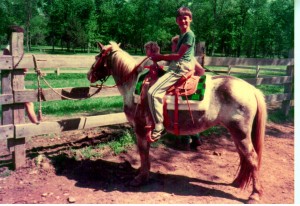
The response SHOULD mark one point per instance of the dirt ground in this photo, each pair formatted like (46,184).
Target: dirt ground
(177,176)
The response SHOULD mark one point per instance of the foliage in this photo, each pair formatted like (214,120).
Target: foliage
(249,28)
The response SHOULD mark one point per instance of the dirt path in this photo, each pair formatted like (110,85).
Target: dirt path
(180,177)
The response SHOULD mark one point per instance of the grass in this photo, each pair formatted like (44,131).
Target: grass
(250,73)
(213,130)
(88,152)
(126,140)
(68,107)
(117,146)
(6,173)
(91,106)
(61,81)
(277,116)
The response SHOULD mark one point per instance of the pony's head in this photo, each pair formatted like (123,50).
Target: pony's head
(99,70)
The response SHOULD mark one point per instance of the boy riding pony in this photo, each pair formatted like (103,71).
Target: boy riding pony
(181,63)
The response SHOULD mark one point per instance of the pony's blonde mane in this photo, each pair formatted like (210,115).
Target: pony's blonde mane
(122,62)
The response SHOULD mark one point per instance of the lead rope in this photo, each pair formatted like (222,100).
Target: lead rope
(38,74)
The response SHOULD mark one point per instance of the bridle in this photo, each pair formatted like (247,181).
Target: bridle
(103,74)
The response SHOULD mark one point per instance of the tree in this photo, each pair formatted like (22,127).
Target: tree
(282,27)
(252,28)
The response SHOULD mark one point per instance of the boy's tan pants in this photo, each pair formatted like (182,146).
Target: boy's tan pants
(157,92)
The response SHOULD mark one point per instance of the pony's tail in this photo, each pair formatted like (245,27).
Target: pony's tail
(257,136)
(259,126)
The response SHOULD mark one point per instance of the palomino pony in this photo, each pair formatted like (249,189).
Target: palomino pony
(230,102)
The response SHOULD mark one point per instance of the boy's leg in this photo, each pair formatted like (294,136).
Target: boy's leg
(156,94)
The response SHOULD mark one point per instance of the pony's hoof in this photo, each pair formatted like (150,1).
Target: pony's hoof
(254,199)
(235,184)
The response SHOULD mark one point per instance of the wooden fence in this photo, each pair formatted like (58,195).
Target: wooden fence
(14,129)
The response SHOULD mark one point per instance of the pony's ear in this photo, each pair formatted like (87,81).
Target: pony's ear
(119,44)
(100,46)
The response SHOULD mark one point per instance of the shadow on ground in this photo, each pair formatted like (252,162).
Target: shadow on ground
(111,176)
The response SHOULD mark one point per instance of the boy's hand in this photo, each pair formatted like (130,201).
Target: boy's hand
(156,57)
(175,39)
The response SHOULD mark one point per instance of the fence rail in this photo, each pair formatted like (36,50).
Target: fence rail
(14,129)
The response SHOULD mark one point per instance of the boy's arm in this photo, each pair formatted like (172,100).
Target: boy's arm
(199,70)
(171,57)
(174,43)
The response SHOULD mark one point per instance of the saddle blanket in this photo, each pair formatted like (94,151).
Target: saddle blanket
(196,101)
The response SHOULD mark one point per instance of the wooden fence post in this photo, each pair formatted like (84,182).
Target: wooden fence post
(57,71)
(257,71)
(288,88)
(200,51)
(229,69)
(15,113)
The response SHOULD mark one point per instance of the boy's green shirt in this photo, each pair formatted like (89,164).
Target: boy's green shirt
(187,38)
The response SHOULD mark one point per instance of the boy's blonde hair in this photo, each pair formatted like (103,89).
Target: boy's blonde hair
(184,11)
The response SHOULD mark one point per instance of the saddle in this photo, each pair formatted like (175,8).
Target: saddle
(185,86)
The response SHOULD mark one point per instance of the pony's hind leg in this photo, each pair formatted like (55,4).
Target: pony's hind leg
(143,147)
(249,162)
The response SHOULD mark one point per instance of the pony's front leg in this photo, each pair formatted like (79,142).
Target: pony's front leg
(143,147)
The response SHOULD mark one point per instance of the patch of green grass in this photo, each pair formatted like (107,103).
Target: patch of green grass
(88,152)
(68,107)
(123,143)
(118,145)
(6,173)
(61,81)
(93,106)
(249,72)
(278,116)
(213,130)
(271,89)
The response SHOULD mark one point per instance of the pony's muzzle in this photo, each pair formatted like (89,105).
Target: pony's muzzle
(90,77)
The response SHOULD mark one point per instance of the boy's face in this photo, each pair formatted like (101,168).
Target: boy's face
(183,22)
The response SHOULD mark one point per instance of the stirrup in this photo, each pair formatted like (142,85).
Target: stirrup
(156,135)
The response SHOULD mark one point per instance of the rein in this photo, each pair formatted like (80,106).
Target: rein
(136,68)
